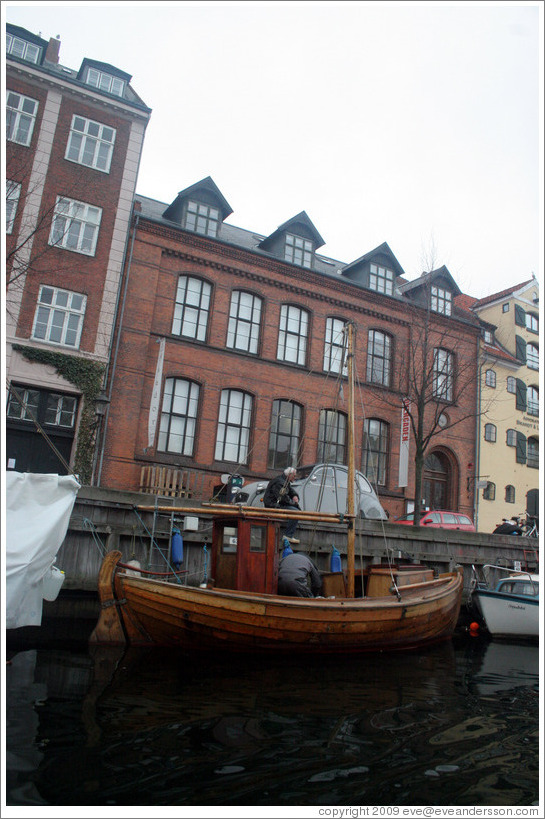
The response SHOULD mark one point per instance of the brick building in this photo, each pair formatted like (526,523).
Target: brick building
(74,141)
(229,358)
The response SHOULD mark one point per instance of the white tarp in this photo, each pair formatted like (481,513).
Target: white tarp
(38,509)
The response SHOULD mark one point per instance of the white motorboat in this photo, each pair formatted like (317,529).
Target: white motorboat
(509,605)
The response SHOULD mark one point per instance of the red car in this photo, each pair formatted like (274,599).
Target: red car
(438,519)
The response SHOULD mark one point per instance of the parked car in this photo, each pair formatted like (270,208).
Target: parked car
(438,519)
(323,488)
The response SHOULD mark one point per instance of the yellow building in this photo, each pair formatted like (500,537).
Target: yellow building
(507,468)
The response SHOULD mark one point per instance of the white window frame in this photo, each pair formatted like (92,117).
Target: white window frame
(532,356)
(234,425)
(441,300)
(490,433)
(13,192)
(178,427)
(532,322)
(335,346)
(75,226)
(28,51)
(90,143)
(61,410)
(532,400)
(511,384)
(191,308)
(298,250)
(381,279)
(59,317)
(244,321)
(490,378)
(200,218)
(379,357)
(20,111)
(293,335)
(105,82)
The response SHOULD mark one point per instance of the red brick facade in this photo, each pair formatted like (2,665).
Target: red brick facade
(159,255)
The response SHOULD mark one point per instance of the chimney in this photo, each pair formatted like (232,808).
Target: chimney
(53,49)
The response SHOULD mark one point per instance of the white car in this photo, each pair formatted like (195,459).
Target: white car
(322,488)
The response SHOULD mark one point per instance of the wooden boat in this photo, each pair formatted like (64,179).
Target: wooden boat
(386,607)
(509,606)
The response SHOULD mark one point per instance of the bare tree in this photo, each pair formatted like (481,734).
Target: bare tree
(437,367)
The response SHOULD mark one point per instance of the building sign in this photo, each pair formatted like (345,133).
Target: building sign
(156,394)
(404,444)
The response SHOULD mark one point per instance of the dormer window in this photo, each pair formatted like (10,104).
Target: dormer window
(202,219)
(488,337)
(105,82)
(299,251)
(381,279)
(22,48)
(441,300)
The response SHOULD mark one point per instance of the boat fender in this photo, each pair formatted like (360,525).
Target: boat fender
(335,564)
(177,548)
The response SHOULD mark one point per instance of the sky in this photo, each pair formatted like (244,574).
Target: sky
(415,124)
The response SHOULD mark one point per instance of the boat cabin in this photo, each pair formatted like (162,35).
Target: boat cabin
(246,554)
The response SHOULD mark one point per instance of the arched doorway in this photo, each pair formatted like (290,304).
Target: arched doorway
(439,481)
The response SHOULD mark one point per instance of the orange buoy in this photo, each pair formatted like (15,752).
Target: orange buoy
(474,628)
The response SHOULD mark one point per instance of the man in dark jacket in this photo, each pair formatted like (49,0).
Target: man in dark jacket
(279,494)
(298,577)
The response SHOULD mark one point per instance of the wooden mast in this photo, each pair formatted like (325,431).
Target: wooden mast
(351,534)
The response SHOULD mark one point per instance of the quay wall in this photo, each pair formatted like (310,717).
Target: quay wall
(103,520)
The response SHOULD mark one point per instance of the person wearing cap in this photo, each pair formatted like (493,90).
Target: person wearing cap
(298,576)
(280,494)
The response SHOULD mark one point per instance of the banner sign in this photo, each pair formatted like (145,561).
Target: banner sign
(404,444)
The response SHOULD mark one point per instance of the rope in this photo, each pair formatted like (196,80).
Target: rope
(145,571)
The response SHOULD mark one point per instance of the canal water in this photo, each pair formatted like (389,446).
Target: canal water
(456,725)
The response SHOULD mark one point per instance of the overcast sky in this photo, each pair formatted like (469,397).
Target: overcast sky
(416,124)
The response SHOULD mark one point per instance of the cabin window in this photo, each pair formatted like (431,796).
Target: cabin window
(285,434)
(258,538)
(244,322)
(375,450)
(233,437)
(378,358)
(179,416)
(443,374)
(293,335)
(192,308)
(230,540)
(332,437)
(335,346)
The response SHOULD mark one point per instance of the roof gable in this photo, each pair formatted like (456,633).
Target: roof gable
(382,250)
(294,225)
(440,276)
(204,190)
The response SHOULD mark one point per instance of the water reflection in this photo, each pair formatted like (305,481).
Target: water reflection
(455,725)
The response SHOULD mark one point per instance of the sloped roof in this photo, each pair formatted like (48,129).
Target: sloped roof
(423,280)
(503,294)
(207,184)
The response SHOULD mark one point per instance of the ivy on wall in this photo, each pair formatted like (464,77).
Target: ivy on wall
(87,377)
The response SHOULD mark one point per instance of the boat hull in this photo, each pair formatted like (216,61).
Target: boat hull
(508,615)
(160,613)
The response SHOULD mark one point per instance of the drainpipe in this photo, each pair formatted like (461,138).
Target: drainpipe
(121,313)
(478,445)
